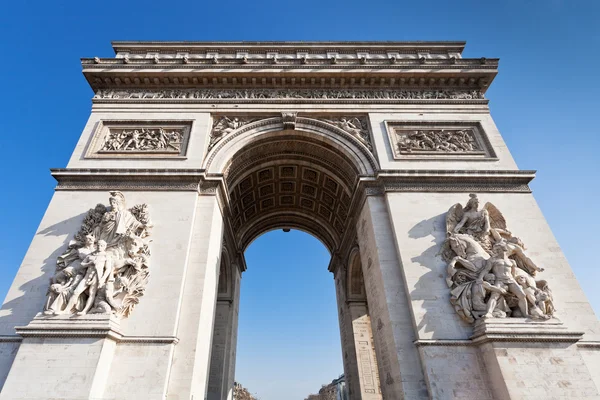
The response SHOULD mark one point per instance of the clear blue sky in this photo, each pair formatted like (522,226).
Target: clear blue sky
(545,102)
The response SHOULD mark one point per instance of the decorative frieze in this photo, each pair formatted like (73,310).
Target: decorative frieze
(438,140)
(285,94)
(139,139)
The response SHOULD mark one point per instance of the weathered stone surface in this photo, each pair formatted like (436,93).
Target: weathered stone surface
(301,153)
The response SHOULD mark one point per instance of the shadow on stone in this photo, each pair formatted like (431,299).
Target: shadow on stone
(33,292)
(431,284)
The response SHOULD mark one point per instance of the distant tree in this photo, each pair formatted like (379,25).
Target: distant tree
(241,393)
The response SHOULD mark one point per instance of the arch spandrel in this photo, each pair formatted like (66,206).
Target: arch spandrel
(222,152)
(302,178)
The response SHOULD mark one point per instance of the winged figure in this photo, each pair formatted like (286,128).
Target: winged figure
(488,272)
(353,126)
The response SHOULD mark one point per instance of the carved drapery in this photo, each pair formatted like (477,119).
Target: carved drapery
(488,272)
(105,269)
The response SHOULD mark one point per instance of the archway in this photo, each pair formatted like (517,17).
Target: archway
(288,340)
(304,178)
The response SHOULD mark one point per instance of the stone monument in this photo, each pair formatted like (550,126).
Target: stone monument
(385,151)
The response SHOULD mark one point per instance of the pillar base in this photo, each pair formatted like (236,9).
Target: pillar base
(532,359)
(68,356)
(522,329)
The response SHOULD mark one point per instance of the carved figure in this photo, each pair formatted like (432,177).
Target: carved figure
(225,125)
(291,94)
(487,288)
(98,265)
(488,272)
(60,289)
(504,269)
(117,222)
(143,140)
(473,222)
(354,126)
(107,276)
(442,141)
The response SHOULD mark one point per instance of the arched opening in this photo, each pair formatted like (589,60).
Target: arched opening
(288,339)
(301,180)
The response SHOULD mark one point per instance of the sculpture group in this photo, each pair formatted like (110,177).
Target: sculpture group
(441,140)
(106,266)
(488,272)
(144,139)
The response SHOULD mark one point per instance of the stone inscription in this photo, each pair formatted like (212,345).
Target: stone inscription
(364,348)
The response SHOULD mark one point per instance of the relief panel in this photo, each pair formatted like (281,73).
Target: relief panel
(428,140)
(140,139)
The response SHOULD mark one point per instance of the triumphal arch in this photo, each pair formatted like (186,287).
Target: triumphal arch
(449,281)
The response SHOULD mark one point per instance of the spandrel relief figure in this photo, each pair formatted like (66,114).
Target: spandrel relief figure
(355,127)
(225,125)
(105,269)
(488,272)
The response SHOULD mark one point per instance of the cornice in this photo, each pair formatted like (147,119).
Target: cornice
(356,64)
(522,330)
(507,181)
(172,46)
(289,65)
(503,181)
(97,326)
(128,179)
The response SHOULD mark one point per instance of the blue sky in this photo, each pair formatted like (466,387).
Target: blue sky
(544,101)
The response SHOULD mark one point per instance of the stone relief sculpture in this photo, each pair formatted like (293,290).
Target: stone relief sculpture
(440,140)
(488,271)
(143,140)
(258,94)
(225,125)
(355,126)
(106,266)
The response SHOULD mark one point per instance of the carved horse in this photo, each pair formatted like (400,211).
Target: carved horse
(470,255)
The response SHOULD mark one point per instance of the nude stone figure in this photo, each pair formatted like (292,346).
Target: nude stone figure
(98,268)
(480,291)
(504,270)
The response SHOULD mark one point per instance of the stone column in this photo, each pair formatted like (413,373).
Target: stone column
(346,337)
(191,359)
(221,332)
(400,370)
(365,351)
(231,344)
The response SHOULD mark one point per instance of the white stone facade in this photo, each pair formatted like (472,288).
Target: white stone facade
(306,142)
